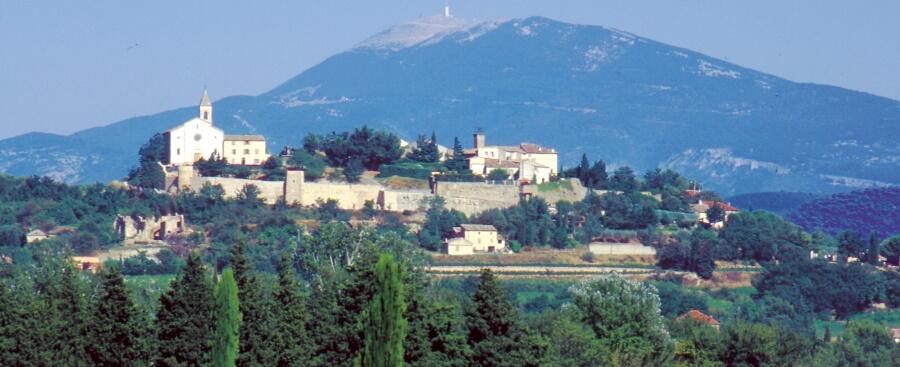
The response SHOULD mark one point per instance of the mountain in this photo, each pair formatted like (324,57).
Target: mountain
(578,88)
(871,210)
(780,202)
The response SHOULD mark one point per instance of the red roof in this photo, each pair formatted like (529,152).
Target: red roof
(699,317)
(724,206)
(534,148)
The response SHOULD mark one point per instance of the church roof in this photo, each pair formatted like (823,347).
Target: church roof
(245,137)
(204,101)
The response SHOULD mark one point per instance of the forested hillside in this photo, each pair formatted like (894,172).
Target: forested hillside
(780,203)
(871,210)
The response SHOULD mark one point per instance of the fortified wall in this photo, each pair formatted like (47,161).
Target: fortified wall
(467,197)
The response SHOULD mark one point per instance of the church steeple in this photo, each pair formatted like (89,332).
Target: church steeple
(205,108)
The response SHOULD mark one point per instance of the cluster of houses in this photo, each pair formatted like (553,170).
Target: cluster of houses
(527,162)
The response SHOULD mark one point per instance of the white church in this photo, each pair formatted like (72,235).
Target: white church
(197,138)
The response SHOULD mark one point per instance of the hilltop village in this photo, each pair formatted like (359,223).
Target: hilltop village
(305,245)
(471,181)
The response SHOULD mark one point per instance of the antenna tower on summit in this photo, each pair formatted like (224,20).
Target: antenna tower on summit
(447,11)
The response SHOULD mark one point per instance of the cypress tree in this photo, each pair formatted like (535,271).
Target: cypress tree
(873,251)
(385,325)
(292,317)
(258,334)
(118,333)
(228,321)
(584,172)
(185,318)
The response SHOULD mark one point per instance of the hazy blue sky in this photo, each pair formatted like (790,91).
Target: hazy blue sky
(69,65)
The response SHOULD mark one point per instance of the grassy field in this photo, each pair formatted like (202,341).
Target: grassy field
(889,318)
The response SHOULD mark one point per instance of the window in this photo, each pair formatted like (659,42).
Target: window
(205,115)
(234,152)
(256,161)
(178,151)
(246,151)
(246,142)
(256,151)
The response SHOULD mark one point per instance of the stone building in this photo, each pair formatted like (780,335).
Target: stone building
(137,228)
(197,138)
(525,161)
(470,239)
(245,149)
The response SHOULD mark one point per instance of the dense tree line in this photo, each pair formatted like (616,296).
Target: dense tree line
(866,211)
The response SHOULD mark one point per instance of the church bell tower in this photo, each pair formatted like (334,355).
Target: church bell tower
(205,108)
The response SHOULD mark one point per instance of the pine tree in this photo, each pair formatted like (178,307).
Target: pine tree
(294,342)
(457,162)
(66,315)
(185,319)
(258,333)
(118,332)
(494,335)
(385,325)
(228,321)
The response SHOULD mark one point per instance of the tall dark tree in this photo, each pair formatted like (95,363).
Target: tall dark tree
(258,331)
(583,171)
(384,324)
(457,162)
(185,321)
(119,331)
(294,343)
(494,333)
(148,174)
(65,314)
(597,175)
(873,251)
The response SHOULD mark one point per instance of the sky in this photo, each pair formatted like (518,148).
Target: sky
(70,65)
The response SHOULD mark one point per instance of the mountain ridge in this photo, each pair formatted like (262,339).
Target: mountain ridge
(579,88)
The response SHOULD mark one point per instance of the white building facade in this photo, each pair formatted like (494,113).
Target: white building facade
(196,138)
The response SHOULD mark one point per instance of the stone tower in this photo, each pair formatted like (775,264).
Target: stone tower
(185,176)
(479,139)
(293,186)
(205,108)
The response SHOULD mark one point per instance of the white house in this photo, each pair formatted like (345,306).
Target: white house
(196,138)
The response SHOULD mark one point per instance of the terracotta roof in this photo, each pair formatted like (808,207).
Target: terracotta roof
(896,332)
(534,148)
(500,163)
(724,206)
(478,227)
(245,137)
(699,317)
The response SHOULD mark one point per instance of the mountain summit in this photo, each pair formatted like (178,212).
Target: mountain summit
(580,89)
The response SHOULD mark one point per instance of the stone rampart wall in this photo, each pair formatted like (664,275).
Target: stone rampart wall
(475,197)
(270,191)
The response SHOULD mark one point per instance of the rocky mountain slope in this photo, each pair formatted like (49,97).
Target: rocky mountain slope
(580,89)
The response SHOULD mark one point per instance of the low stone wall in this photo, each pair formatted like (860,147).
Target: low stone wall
(576,194)
(475,197)
(609,248)
(270,191)
(351,197)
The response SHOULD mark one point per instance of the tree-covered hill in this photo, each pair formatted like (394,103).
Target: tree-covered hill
(871,210)
(781,202)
